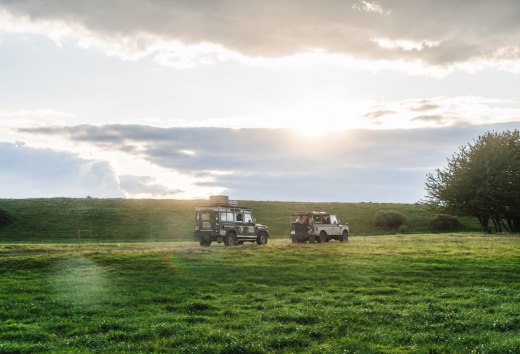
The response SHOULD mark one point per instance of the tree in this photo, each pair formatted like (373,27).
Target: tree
(482,180)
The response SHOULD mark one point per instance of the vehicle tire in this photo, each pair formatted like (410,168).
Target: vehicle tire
(204,243)
(312,239)
(230,239)
(322,238)
(344,236)
(261,239)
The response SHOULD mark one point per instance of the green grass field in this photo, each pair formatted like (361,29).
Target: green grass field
(134,220)
(455,293)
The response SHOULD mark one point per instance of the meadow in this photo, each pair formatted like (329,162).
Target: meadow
(456,293)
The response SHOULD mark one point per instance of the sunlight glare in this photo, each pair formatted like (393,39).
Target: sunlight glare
(317,119)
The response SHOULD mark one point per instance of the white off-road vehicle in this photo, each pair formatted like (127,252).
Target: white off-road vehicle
(317,226)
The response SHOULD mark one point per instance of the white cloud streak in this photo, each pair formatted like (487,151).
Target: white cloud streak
(441,112)
(360,165)
(370,6)
(455,36)
(28,173)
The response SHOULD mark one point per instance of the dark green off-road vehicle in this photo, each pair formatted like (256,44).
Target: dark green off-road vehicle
(224,221)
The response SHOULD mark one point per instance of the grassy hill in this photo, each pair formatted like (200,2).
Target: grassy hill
(121,220)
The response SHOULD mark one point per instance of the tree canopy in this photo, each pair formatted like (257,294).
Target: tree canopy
(482,179)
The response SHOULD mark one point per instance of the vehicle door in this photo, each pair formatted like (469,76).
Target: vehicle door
(327,225)
(249,225)
(318,224)
(239,222)
(335,229)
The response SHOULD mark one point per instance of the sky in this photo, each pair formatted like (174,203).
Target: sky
(294,100)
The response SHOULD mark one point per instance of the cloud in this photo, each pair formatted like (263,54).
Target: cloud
(277,164)
(424,106)
(146,185)
(354,184)
(30,173)
(188,162)
(430,118)
(370,6)
(378,114)
(186,33)
(440,112)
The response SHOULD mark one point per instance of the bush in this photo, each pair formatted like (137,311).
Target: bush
(390,219)
(403,229)
(445,222)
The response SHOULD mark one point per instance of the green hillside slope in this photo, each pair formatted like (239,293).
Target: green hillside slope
(120,220)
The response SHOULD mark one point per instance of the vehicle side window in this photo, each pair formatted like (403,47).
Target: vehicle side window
(248,218)
(333,219)
(317,219)
(206,216)
(326,219)
(227,216)
(239,217)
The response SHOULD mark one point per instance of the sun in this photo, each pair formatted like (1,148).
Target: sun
(314,130)
(326,116)
(317,126)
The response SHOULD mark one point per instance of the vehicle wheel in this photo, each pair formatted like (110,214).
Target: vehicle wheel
(204,243)
(323,237)
(312,239)
(230,239)
(344,236)
(262,238)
